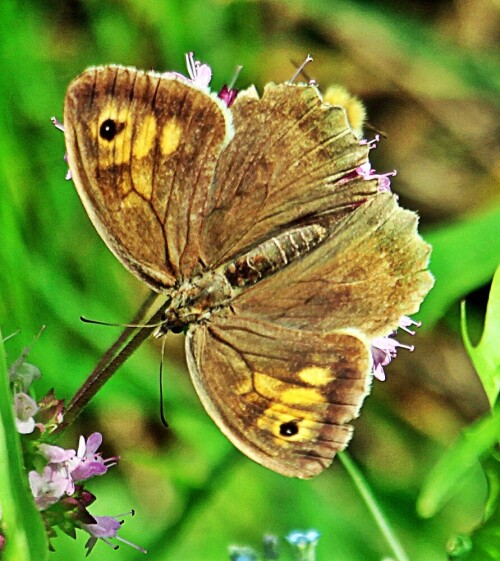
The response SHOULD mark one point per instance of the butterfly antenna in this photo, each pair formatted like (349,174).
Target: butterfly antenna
(141,325)
(162,411)
(300,69)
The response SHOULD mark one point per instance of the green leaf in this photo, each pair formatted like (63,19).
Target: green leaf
(482,544)
(486,354)
(461,261)
(447,476)
(25,534)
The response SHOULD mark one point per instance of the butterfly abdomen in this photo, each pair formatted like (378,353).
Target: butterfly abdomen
(273,255)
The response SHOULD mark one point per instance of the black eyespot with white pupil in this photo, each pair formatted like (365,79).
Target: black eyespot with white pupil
(109,129)
(289,429)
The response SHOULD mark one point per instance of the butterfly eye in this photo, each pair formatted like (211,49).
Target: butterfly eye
(109,129)
(289,429)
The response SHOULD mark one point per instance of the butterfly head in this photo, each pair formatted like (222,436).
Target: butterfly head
(194,301)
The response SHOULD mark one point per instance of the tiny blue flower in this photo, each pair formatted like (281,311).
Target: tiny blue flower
(302,539)
(304,544)
(237,553)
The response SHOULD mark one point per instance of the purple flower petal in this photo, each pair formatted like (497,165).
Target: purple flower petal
(56,454)
(384,183)
(200,74)
(384,349)
(50,486)
(228,95)
(405,322)
(87,462)
(105,527)
(86,469)
(88,449)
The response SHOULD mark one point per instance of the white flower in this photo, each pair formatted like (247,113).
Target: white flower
(25,408)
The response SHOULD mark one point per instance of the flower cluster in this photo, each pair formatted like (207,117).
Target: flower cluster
(66,468)
(61,497)
(56,480)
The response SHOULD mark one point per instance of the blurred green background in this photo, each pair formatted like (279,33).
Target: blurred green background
(429,74)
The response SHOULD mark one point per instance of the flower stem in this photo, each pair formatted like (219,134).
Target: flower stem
(112,359)
(374,508)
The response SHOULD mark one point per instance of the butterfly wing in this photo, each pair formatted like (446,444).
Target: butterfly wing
(370,271)
(289,160)
(282,396)
(284,369)
(284,373)
(142,148)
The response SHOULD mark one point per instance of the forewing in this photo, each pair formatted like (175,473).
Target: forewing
(292,158)
(283,397)
(371,270)
(144,187)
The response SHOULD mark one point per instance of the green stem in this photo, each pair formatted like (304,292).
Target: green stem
(373,507)
(112,359)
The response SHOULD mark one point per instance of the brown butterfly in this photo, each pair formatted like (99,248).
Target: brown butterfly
(278,258)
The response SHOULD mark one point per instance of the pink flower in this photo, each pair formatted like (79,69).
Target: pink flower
(384,183)
(366,172)
(60,127)
(199,74)
(384,348)
(56,454)
(47,488)
(65,468)
(106,527)
(405,322)
(228,95)
(87,462)
(371,143)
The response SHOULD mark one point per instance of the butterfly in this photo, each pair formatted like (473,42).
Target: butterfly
(279,257)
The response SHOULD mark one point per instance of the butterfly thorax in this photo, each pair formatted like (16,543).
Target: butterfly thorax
(195,300)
